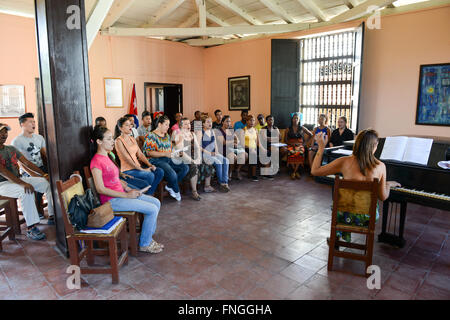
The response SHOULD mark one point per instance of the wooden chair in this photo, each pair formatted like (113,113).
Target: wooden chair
(7,231)
(355,197)
(130,216)
(16,215)
(66,191)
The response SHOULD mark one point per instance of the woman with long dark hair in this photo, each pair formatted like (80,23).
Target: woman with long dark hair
(295,138)
(158,147)
(122,198)
(361,165)
(129,154)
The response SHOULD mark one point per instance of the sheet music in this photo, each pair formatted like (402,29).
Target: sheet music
(418,150)
(343,151)
(394,148)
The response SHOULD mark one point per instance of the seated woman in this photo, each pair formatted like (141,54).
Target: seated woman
(252,144)
(295,139)
(229,142)
(271,134)
(323,120)
(361,165)
(341,134)
(186,138)
(119,195)
(212,156)
(129,154)
(158,147)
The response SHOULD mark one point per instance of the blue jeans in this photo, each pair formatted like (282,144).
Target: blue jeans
(221,165)
(148,206)
(173,173)
(152,178)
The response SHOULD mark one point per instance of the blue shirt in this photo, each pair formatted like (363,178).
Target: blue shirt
(208,142)
(239,125)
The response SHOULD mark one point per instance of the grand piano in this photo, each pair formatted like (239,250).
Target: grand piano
(424,185)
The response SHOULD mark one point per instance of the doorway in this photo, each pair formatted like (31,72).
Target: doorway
(165,97)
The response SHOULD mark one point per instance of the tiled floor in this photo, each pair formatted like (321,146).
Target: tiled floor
(264,240)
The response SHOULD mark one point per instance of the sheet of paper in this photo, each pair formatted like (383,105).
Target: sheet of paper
(394,148)
(143,190)
(418,150)
(278,145)
(343,151)
(180,150)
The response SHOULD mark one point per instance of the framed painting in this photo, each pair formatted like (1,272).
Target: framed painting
(12,100)
(113,92)
(433,99)
(239,93)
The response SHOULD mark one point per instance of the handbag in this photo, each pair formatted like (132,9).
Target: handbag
(79,208)
(100,216)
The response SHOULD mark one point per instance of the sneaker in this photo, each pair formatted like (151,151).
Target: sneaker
(41,216)
(51,221)
(35,234)
(255,178)
(178,196)
(172,193)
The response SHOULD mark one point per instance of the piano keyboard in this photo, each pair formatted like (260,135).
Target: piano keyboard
(423,193)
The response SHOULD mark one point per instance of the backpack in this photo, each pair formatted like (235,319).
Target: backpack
(79,208)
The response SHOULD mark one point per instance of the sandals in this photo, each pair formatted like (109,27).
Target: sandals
(195,196)
(209,189)
(154,247)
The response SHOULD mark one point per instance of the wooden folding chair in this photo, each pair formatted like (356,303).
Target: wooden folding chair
(130,216)
(66,191)
(358,197)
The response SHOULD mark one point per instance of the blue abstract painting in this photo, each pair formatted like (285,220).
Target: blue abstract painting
(433,102)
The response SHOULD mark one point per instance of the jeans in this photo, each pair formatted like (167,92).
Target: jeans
(148,206)
(152,178)
(221,165)
(173,173)
(14,190)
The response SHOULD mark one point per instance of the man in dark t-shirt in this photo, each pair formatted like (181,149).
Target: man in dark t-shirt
(341,134)
(13,185)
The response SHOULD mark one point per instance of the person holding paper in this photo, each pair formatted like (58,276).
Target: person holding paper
(341,134)
(361,165)
(229,142)
(158,148)
(121,197)
(187,139)
(323,120)
(129,155)
(212,156)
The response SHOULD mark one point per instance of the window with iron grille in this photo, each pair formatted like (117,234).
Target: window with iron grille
(326,77)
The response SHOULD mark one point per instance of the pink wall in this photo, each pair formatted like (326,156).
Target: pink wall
(139,60)
(18,61)
(392,58)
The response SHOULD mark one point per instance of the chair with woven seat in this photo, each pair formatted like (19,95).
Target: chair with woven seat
(131,216)
(358,197)
(7,231)
(66,191)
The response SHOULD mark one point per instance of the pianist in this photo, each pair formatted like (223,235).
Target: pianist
(361,165)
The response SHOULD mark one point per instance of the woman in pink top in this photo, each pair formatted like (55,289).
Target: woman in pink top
(129,154)
(120,196)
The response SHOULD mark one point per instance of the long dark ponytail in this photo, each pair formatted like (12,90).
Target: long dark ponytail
(99,134)
(119,125)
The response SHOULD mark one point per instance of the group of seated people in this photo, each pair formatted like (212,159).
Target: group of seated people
(130,163)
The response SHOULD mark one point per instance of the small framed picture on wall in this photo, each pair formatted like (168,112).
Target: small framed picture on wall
(433,99)
(12,100)
(113,92)
(239,93)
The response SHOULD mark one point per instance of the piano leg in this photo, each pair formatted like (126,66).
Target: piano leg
(392,239)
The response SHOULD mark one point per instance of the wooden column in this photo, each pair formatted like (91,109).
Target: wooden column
(64,74)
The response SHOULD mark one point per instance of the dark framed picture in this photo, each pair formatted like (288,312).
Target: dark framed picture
(239,93)
(433,100)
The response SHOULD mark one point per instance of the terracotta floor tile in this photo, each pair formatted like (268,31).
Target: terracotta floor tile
(128,294)
(236,283)
(428,292)
(389,293)
(281,285)
(217,294)
(306,293)
(260,293)
(197,285)
(406,285)
(311,263)
(438,280)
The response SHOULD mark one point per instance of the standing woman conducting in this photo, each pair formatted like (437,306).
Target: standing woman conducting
(120,196)
(129,154)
